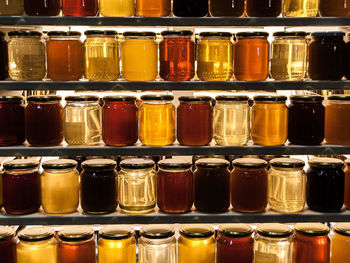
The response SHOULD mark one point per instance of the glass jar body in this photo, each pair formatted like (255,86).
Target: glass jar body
(79,7)
(196,250)
(4,60)
(301,8)
(337,122)
(42,7)
(227,8)
(269,249)
(76,251)
(157,250)
(188,8)
(153,8)
(35,251)
(234,249)
(117,251)
(347,187)
(117,9)
(311,249)
(337,8)
(340,248)
(8,250)
(12,123)
(264,8)
(11,8)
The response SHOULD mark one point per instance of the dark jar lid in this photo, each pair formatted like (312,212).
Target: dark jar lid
(59,164)
(290,34)
(177,33)
(116,232)
(34,234)
(6,233)
(139,34)
(311,229)
(157,232)
(82,98)
(339,97)
(252,163)
(157,97)
(195,99)
(287,163)
(76,233)
(169,164)
(137,163)
(323,162)
(235,230)
(342,229)
(64,33)
(270,98)
(197,231)
(328,34)
(11,99)
(232,98)
(119,98)
(212,163)
(24,33)
(215,34)
(44,98)
(274,230)
(99,164)
(306,98)
(252,34)
(101,32)
(21,164)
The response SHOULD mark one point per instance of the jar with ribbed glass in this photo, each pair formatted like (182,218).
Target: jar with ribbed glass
(231,120)
(196,244)
(60,186)
(340,243)
(11,8)
(273,243)
(36,244)
(116,244)
(157,120)
(101,55)
(215,56)
(289,56)
(117,8)
(82,120)
(4,61)
(139,56)
(26,54)
(301,8)
(8,243)
(287,185)
(157,244)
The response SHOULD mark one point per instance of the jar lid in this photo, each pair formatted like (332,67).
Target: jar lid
(119,98)
(116,232)
(82,98)
(157,232)
(342,229)
(139,34)
(339,97)
(196,231)
(287,163)
(311,229)
(105,164)
(101,32)
(11,98)
(33,234)
(24,33)
(270,98)
(290,34)
(64,33)
(44,98)
(252,34)
(274,230)
(328,34)
(249,163)
(59,164)
(177,33)
(323,162)
(306,98)
(174,164)
(20,164)
(212,163)
(137,163)
(194,98)
(157,97)
(235,230)
(6,233)
(232,98)
(76,233)
(215,34)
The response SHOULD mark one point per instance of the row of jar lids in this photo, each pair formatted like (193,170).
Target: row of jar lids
(81,233)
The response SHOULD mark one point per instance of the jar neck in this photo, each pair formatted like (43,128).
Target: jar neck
(179,170)
(144,170)
(45,102)
(216,38)
(59,171)
(21,171)
(157,102)
(290,38)
(140,38)
(65,38)
(82,103)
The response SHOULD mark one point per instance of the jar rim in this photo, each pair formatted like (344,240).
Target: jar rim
(306,98)
(116,232)
(139,34)
(64,33)
(339,97)
(252,34)
(177,33)
(44,98)
(215,34)
(11,98)
(24,33)
(270,98)
(195,99)
(290,34)
(232,98)
(119,98)
(157,97)
(328,34)
(311,229)
(101,32)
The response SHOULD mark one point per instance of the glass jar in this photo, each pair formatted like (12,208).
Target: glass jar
(4,61)
(116,244)
(287,184)
(98,186)
(195,120)
(337,120)
(308,112)
(249,176)
(153,8)
(231,120)
(65,59)
(251,57)
(47,111)
(21,187)
(79,7)
(212,185)
(76,244)
(42,7)
(101,55)
(157,244)
(8,244)
(82,120)
(157,120)
(174,186)
(37,244)
(196,244)
(12,130)
(227,8)
(235,244)
(117,9)
(177,56)
(139,56)
(347,59)
(337,8)
(269,120)
(26,55)
(340,245)
(325,185)
(215,56)
(347,184)
(264,8)
(119,120)
(273,243)
(137,186)
(188,8)
(11,8)
(327,56)
(1,191)
(301,8)
(289,56)
(60,186)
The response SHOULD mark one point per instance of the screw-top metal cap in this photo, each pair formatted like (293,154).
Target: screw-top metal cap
(196,231)
(342,229)
(116,232)
(137,163)
(235,230)
(174,164)
(157,232)
(212,163)
(76,233)
(99,164)
(311,229)
(6,233)
(287,163)
(249,163)
(33,234)
(59,164)
(324,162)
(274,230)
(20,164)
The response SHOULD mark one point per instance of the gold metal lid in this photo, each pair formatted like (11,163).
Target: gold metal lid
(325,162)
(59,164)
(342,229)
(274,230)
(174,164)
(212,163)
(6,233)
(34,234)
(287,163)
(137,163)
(21,164)
(157,232)
(196,231)
(249,163)
(235,230)
(116,232)
(311,229)
(76,233)
(98,164)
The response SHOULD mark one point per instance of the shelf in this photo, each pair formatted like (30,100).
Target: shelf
(173,21)
(175,85)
